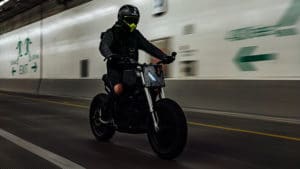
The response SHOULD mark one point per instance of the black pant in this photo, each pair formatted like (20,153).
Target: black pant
(114,76)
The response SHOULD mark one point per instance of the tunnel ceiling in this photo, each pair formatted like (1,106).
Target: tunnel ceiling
(17,13)
(15,7)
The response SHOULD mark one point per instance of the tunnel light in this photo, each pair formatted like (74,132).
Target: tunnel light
(3,2)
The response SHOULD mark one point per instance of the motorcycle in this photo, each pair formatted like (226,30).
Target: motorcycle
(142,108)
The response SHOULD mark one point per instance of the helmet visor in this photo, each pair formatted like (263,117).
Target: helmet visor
(131,19)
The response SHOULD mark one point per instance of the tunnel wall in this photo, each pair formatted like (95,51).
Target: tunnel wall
(30,86)
(214,40)
(84,88)
(260,97)
(54,47)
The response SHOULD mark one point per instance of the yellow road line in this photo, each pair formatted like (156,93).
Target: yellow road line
(189,122)
(244,131)
(49,101)
(62,103)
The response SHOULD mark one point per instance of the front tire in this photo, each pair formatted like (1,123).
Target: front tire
(170,140)
(102,132)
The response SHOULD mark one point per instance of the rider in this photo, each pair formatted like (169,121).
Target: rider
(124,40)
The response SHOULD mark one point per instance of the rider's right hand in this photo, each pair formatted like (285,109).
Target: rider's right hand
(114,57)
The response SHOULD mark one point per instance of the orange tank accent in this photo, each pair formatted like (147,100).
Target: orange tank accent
(118,88)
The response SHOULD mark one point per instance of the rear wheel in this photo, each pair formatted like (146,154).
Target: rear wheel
(101,131)
(171,138)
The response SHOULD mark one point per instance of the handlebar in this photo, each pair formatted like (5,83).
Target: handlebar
(173,55)
(130,61)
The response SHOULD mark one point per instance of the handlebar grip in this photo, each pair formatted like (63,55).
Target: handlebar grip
(173,54)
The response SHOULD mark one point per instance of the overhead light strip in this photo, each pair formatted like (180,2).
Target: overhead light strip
(3,2)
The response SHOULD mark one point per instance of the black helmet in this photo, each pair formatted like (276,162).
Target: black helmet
(130,16)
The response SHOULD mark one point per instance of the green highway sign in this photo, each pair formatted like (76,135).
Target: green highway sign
(34,67)
(289,18)
(27,44)
(244,56)
(26,57)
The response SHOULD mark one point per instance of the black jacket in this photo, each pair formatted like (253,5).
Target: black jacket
(115,41)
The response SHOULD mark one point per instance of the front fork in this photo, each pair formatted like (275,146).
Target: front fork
(150,103)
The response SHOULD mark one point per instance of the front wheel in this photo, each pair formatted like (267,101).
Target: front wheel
(101,131)
(171,138)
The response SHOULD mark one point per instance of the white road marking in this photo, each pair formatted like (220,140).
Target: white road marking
(43,153)
(245,116)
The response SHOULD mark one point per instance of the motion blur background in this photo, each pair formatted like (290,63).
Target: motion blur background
(239,56)
(236,76)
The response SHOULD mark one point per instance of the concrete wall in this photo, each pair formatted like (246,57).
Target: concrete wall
(262,97)
(217,36)
(85,88)
(30,86)
(224,40)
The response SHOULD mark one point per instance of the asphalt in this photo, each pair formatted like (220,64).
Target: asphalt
(60,126)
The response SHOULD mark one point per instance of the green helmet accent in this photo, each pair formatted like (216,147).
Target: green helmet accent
(131,26)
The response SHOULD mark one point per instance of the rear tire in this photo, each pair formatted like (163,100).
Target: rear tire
(170,140)
(102,132)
